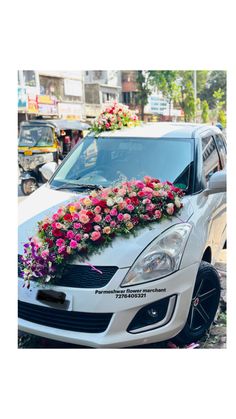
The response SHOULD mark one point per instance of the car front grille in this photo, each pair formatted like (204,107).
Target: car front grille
(81,276)
(67,320)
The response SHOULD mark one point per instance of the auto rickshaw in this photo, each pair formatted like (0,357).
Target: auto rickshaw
(43,141)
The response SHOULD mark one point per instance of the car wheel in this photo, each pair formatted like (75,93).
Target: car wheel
(204,304)
(28,186)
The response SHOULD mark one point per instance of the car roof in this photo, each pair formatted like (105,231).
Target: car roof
(160,129)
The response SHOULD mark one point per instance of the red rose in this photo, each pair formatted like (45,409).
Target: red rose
(150,185)
(87,227)
(170,195)
(134,200)
(90,214)
(135,220)
(57,233)
(45,226)
(49,242)
(102,204)
(67,217)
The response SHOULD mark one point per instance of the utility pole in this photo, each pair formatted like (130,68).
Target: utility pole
(195,92)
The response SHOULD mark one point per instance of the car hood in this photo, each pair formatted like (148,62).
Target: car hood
(122,252)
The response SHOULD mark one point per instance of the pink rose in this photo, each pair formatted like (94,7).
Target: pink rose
(97,209)
(113,212)
(85,236)
(130,207)
(112,224)
(45,254)
(140,185)
(84,219)
(70,234)
(108,218)
(77,226)
(75,216)
(55,217)
(97,218)
(170,209)
(97,228)
(158,214)
(127,217)
(95,235)
(150,207)
(120,217)
(60,242)
(78,237)
(62,249)
(73,244)
(59,225)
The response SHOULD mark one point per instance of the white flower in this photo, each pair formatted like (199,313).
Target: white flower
(177,202)
(118,199)
(110,202)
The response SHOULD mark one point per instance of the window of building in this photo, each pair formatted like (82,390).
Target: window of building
(51,86)
(108,97)
(211,162)
(29,78)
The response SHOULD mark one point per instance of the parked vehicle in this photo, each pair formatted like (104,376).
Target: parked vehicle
(166,272)
(40,142)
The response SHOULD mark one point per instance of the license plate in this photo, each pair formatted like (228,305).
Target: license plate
(46,297)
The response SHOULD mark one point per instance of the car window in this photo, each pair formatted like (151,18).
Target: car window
(105,160)
(222,148)
(210,157)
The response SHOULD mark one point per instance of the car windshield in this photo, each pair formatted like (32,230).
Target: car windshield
(36,136)
(103,161)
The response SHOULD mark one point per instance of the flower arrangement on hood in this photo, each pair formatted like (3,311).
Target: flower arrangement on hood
(115,116)
(85,226)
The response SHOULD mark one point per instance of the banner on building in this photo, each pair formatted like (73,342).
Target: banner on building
(22,99)
(47,105)
(70,110)
(33,104)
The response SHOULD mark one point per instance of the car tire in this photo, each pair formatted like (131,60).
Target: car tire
(204,304)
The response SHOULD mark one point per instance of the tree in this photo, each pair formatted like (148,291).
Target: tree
(166,83)
(144,90)
(187,102)
(222,117)
(205,111)
(216,80)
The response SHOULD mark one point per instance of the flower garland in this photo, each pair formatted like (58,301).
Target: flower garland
(115,116)
(83,227)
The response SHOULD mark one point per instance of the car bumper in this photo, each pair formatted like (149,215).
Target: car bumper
(180,285)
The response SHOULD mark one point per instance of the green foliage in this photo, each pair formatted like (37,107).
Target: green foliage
(144,90)
(205,111)
(216,80)
(166,83)
(222,117)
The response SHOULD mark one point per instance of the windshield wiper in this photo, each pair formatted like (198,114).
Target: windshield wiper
(76,186)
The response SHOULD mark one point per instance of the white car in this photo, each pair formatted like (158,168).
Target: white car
(125,306)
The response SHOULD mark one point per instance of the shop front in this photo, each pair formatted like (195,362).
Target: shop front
(72,111)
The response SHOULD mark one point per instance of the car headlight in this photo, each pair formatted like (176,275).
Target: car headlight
(161,258)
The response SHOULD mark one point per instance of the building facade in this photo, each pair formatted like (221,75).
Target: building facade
(57,94)
(101,87)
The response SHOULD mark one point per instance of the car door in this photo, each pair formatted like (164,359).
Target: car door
(213,160)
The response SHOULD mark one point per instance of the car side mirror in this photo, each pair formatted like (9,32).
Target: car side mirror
(217,183)
(48,169)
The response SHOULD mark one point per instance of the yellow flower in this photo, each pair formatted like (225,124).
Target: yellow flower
(129,225)
(130,124)
(72,209)
(93,194)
